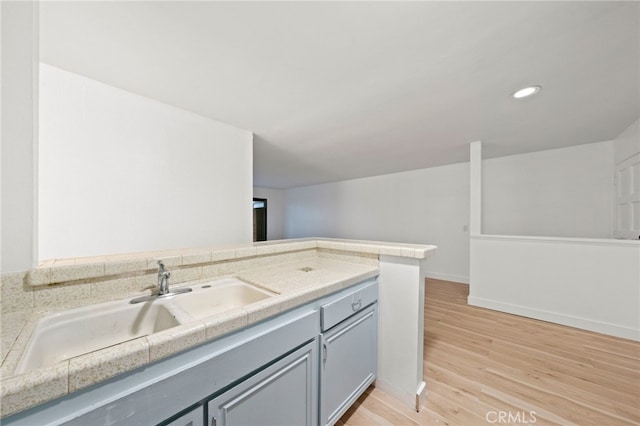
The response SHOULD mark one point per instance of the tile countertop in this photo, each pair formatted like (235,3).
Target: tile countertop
(295,283)
(294,288)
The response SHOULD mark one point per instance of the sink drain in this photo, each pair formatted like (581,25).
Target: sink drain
(306,269)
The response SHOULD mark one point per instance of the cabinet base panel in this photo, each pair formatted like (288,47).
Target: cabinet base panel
(421,395)
(413,401)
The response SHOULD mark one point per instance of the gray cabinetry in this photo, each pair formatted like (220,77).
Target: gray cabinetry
(194,417)
(301,367)
(349,351)
(285,393)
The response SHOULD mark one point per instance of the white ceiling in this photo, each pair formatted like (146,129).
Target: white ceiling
(337,90)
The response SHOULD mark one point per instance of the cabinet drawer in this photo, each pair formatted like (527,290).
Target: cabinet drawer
(341,309)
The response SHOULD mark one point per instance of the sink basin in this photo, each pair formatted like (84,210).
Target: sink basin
(68,334)
(219,296)
(76,332)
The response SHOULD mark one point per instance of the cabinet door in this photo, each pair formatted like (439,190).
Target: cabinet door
(285,393)
(194,417)
(349,363)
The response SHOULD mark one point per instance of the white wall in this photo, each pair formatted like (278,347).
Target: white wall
(565,192)
(122,173)
(275,211)
(580,282)
(590,284)
(562,192)
(428,206)
(19,132)
(627,143)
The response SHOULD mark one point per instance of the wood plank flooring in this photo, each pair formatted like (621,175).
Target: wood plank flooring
(485,367)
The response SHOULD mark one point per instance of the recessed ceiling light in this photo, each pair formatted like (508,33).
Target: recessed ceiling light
(527,91)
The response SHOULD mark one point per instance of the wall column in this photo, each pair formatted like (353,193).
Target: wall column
(475,203)
(19,152)
(401,329)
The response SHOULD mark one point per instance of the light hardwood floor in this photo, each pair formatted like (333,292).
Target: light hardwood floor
(481,364)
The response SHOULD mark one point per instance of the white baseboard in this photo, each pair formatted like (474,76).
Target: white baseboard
(557,318)
(448,277)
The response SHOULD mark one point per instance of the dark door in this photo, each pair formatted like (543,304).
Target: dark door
(259,219)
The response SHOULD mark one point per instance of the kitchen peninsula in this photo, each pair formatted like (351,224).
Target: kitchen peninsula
(304,276)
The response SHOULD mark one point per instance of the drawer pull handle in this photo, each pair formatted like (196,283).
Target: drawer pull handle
(356,305)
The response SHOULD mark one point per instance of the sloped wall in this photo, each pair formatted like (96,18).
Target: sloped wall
(121,173)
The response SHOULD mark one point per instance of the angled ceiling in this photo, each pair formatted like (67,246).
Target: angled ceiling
(337,90)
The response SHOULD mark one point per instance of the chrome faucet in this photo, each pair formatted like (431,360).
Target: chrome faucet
(163,279)
(163,286)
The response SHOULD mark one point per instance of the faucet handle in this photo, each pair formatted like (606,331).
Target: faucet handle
(161,266)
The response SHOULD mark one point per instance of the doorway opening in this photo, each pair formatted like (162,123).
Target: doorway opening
(259,219)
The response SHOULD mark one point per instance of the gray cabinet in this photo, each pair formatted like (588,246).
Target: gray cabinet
(302,367)
(194,417)
(349,352)
(285,393)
